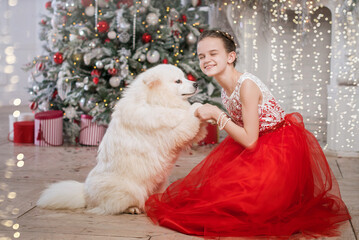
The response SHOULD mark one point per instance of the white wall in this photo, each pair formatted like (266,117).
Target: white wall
(19,43)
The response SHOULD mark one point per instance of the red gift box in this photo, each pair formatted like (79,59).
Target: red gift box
(24,132)
(91,133)
(212,135)
(48,128)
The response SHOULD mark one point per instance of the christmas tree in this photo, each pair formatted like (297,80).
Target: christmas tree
(95,48)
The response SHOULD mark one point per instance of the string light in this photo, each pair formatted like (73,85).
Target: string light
(303,61)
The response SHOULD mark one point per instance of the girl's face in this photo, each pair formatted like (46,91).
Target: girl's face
(213,57)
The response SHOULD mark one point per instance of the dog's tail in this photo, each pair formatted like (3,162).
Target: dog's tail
(63,195)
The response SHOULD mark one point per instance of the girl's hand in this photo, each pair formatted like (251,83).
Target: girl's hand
(207,112)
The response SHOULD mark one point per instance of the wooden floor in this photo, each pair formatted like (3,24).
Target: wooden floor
(25,170)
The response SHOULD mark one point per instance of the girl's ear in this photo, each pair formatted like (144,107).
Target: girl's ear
(231,57)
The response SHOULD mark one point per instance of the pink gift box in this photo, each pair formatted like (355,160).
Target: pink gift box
(91,133)
(48,128)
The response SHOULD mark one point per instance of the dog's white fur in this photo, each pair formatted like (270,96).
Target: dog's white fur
(150,125)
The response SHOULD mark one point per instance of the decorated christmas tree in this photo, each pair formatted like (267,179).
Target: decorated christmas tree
(93,49)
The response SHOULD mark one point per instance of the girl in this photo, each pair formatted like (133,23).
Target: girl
(269,177)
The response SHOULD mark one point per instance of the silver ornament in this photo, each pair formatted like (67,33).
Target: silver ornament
(35,88)
(152,19)
(115,81)
(111,34)
(99,64)
(83,106)
(90,11)
(86,87)
(142,57)
(124,37)
(153,56)
(191,39)
(146,3)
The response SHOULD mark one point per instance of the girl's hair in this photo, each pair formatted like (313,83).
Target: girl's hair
(226,38)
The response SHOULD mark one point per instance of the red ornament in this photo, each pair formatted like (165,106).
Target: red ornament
(54,94)
(43,22)
(191,77)
(146,38)
(95,73)
(86,3)
(107,40)
(48,5)
(201,30)
(40,66)
(102,26)
(165,61)
(33,106)
(58,58)
(184,18)
(112,71)
(176,33)
(128,2)
(95,80)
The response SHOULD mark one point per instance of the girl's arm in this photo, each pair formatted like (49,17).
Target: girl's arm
(250,98)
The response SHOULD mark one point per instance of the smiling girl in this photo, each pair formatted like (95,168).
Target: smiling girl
(269,177)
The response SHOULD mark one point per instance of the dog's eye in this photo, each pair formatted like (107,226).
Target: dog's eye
(178,81)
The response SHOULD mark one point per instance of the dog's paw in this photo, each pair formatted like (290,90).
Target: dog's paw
(133,210)
(194,107)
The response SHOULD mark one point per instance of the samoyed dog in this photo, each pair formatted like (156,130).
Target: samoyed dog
(149,127)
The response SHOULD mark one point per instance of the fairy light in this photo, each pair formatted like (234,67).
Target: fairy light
(301,54)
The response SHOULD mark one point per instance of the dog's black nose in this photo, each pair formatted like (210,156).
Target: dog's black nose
(195,85)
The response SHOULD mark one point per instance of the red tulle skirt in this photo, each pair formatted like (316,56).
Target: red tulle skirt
(281,186)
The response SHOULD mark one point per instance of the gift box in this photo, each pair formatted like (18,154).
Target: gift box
(91,133)
(24,132)
(48,128)
(212,135)
(23,117)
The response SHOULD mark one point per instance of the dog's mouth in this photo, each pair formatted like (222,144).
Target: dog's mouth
(189,94)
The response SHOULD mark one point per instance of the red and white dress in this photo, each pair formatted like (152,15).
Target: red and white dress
(281,186)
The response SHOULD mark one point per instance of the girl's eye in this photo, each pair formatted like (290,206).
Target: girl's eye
(178,81)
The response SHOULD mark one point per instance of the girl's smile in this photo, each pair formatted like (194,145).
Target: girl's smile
(212,56)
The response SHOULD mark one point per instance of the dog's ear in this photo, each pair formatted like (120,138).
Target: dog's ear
(151,80)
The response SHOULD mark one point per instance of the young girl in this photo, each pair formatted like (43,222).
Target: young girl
(269,177)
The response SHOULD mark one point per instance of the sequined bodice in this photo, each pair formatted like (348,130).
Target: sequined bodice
(270,112)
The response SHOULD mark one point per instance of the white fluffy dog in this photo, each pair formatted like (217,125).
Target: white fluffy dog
(150,125)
